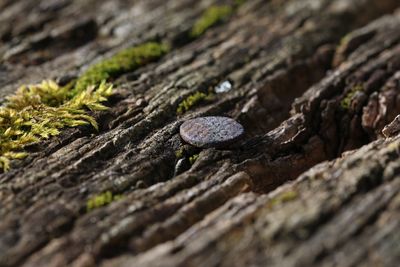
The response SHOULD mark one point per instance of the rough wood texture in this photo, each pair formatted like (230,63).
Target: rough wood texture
(311,79)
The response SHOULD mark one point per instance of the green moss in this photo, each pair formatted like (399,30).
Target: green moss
(284,197)
(180,153)
(101,200)
(346,101)
(288,196)
(239,2)
(124,61)
(36,112)
(193,158)
(39,111)
(344,41)
(193,100)
(212,16)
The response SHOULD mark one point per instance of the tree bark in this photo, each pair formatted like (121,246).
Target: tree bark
(314,182)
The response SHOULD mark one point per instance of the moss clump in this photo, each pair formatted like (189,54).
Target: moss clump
(193,158)
(101,200)
(124,61)
(346,101)
(180,153)
(188,156)
(344,41)
(36,112)
(284,197)
(39,111)
(239,2)
(212,16)
(193,100)
(288,196)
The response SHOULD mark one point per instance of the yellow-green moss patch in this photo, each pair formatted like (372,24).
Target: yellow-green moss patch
(212,16)
(124,61)
(239,2)
(193,158)
(101,200)
(36,112)
(180,153)
(284,197)
(193,100)
(346,101)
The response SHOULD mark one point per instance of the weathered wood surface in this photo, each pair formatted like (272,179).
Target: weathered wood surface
(293,65)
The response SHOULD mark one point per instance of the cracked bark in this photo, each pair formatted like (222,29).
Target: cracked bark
(314,182)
